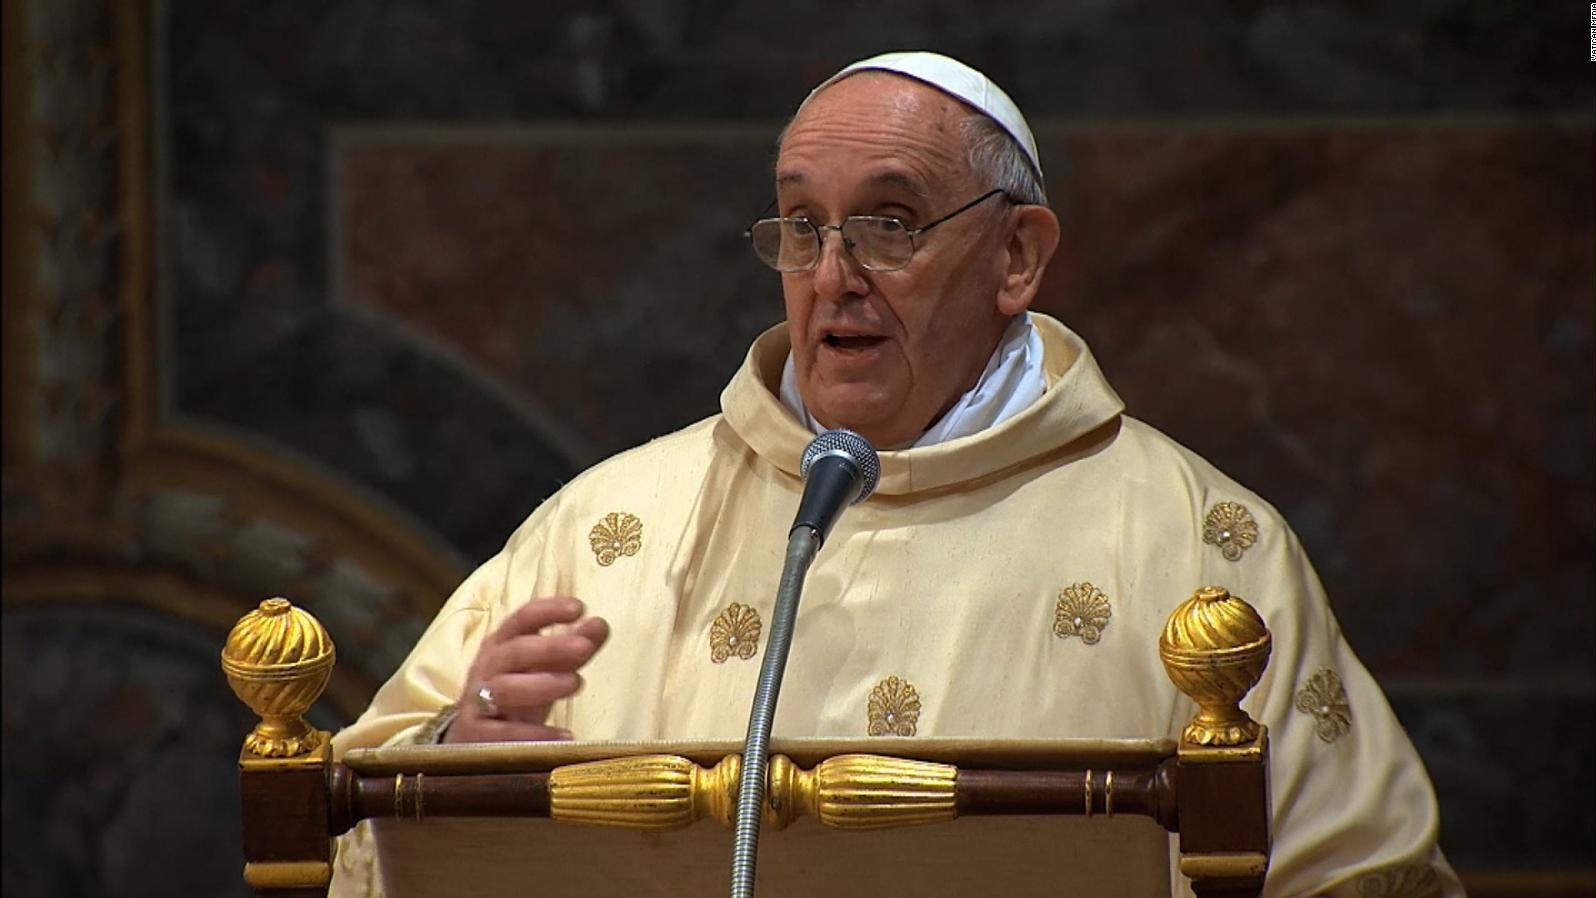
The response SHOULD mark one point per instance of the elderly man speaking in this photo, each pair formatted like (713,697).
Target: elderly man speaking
(1011,572)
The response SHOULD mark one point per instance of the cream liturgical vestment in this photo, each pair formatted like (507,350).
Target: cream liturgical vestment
(1008,584)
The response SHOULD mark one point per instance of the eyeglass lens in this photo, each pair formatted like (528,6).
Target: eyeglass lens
(793,244)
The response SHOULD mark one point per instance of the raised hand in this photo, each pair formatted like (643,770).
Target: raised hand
(520,671)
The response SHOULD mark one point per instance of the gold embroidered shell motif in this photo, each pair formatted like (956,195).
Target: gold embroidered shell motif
(894,708)
(1082,611)
(1326,700)
(734,632)
(1411,881)
(1230,526)
(618,534)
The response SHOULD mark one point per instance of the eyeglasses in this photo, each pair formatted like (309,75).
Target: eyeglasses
(876,242)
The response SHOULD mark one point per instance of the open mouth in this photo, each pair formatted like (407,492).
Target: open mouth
(853,341)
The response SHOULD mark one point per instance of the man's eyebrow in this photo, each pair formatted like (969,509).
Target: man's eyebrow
(890,178)
(899,179)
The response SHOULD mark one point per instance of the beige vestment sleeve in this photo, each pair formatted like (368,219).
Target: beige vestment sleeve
(1354,812)
(430,680)
(433,676)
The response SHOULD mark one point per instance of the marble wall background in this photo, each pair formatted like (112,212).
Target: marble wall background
(449,254)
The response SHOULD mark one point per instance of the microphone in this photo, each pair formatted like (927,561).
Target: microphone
(839,469)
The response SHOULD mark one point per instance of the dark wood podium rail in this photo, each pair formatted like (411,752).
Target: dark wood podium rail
(1147,792)
(419,796)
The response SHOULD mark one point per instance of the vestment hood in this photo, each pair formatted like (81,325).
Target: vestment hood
(1078,402)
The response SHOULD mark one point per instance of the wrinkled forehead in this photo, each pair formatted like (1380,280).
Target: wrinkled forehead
(871,92)
(879,117)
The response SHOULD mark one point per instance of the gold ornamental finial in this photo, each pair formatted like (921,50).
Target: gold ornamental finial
(278,659)
(1215,647)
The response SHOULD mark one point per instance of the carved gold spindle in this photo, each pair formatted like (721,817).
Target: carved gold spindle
(657,792)
(715,791)
(1215,647)
(789,793)
(278,659)
(874,792)
(650,792)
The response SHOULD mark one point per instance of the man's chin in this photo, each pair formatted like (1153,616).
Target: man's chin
(874,421)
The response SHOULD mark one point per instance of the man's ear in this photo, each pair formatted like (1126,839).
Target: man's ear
(1031,245)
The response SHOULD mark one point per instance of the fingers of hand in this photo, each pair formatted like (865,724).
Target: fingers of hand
(594,629)
(525,670)
(537,614)
(493,729)
(530,654)
(525,697)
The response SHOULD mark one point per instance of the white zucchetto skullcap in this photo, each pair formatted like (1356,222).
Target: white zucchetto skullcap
(955,79)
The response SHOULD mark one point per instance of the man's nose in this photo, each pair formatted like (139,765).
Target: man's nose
(838,274)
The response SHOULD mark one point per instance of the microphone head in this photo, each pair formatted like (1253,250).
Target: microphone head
(852,446)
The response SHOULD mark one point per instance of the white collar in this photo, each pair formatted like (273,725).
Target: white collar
(1014,378)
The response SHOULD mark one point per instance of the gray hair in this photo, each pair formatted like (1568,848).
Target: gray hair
(994,157)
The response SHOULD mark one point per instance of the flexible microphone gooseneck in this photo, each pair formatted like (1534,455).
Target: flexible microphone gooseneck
(839,469)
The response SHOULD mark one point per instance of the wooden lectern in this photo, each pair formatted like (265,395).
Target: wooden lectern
(844,817)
